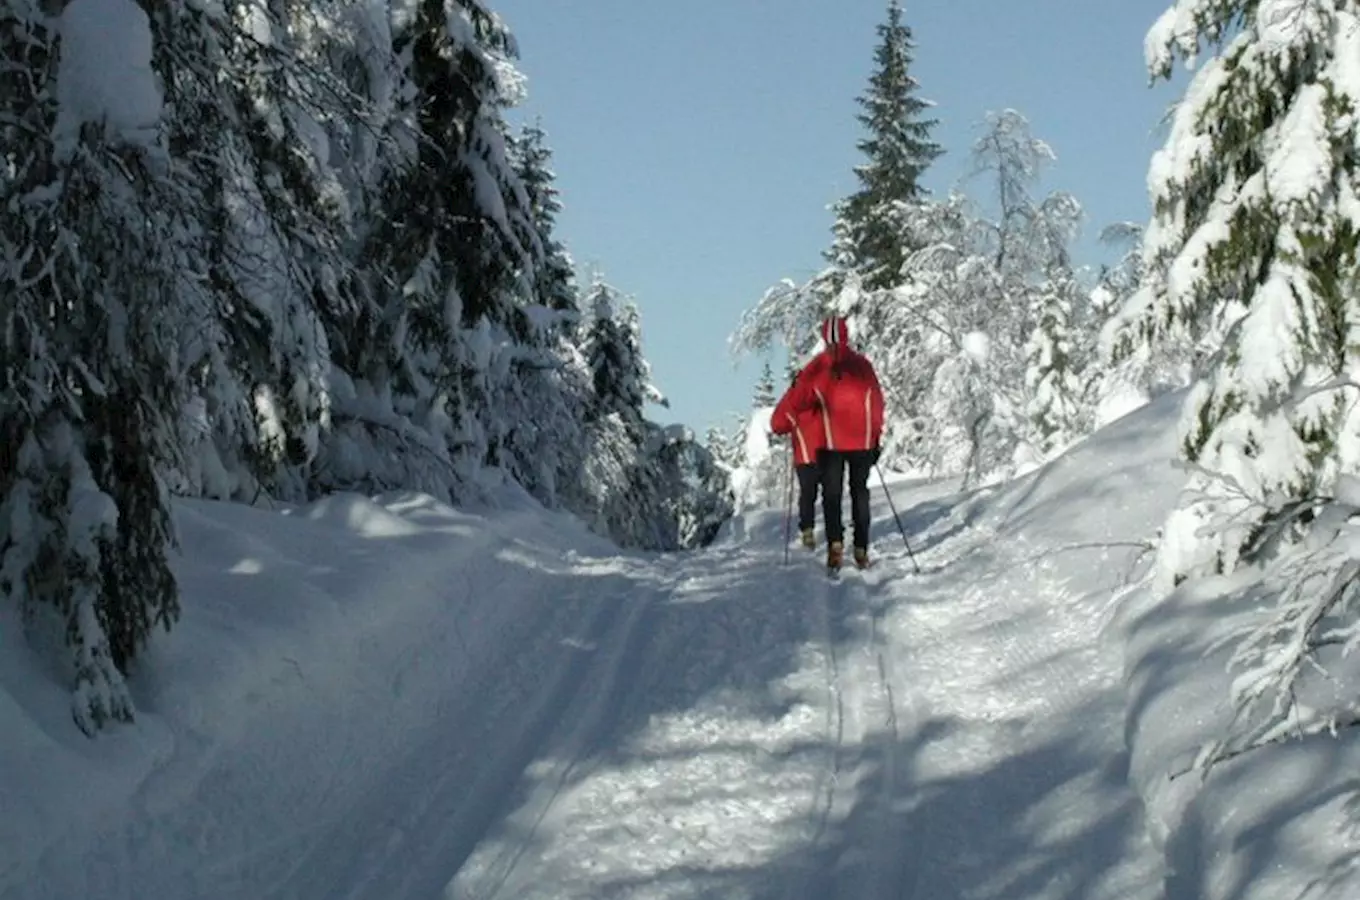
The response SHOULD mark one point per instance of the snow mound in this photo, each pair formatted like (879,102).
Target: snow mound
(360,515)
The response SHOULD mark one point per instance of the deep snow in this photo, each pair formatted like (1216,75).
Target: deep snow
(387,698)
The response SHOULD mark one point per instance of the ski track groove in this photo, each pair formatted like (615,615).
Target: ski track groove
(601,706)
(605,708)
(824,797)
(432,841)
(870,826)
(852,596)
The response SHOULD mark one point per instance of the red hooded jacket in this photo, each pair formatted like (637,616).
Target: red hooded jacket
(806,428)
(841,387)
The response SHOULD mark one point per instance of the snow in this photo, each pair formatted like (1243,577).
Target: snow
(763,469)
(105,73)
(978,347)
(1299,167)
(390,698)
(1118,400)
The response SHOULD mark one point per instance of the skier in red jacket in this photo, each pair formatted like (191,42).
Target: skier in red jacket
(841,386)
(808,437)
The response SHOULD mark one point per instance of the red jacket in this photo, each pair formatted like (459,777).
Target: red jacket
(841,386)
(805,426)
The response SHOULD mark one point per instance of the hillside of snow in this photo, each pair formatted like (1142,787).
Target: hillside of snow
(388,698)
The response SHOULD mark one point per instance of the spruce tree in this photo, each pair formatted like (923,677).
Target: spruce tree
(1254,249)
(1058,408)
(632,496)
(555,281)
(720,446)
(443,306)
(765,395)
(243,110)
(619,373)
(92,380)
(897,150)
(1254,246)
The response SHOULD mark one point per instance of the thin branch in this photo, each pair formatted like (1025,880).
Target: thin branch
(1351,722)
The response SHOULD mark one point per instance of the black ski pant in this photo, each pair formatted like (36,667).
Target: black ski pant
(834,465)
(809,479)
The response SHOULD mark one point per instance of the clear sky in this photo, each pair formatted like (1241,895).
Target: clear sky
(698,145)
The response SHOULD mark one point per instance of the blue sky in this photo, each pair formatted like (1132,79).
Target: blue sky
(697,145)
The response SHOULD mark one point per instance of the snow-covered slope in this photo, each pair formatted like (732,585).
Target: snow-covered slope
(392,699)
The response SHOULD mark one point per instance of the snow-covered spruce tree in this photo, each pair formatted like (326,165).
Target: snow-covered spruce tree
(1130,373)
(1059,408)
(625,499)
(696,488)
(765,395)
(620,375)
(245,100)
(91,383)
(448,258)
(721,447)
(545,396)
(542,396)
(555,278)
(1059,355)
(1254,243)
(647,485)
(897,150)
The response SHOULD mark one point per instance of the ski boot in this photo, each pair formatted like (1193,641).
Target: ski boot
(861,557)
(809,539)
(835,555)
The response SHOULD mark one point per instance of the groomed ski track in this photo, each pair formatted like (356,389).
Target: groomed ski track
(949,734)
(713,724)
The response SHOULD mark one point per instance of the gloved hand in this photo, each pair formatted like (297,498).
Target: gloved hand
(874,454)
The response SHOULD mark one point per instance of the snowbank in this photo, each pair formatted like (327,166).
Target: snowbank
(319,650)
(1279,822)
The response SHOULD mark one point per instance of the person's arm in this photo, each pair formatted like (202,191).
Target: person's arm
(803,395)
(876,407)
(781,420)
(785,416)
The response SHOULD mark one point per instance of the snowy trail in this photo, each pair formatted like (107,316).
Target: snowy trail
(526,713)
(952,734)
(662,788)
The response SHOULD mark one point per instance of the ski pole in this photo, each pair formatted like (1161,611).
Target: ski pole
(788,506)
(896,518)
